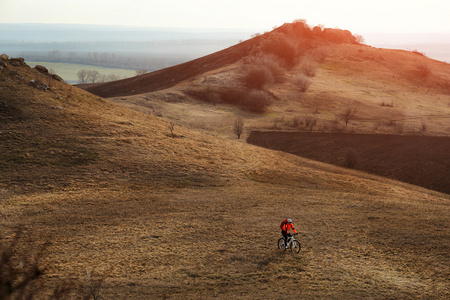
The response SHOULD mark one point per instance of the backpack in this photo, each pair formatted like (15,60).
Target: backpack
(283,223)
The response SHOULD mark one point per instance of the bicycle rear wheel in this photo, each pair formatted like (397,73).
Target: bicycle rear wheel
(281,244)
(296,247)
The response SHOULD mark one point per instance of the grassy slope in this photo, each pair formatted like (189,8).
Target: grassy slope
(197,215)
(352,76)
(369,77)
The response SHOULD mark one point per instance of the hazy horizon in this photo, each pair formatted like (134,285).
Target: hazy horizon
(379,22)
(48,37)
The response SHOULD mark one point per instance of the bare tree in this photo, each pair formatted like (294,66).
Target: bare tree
(349,114)
(238,128)
(107,78)
(113,77)
(93,76)
(359,39)
(171,128)
(310,122)
(83,76)
(140,72)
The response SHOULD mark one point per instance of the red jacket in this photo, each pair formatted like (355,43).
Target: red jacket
(286,227)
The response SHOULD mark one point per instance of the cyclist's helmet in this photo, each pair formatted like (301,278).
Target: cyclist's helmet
(289,220)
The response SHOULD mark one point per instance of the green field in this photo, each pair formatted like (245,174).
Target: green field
(69,71)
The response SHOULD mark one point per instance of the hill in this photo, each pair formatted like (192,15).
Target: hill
(171,76)
(194,214)
(298,79)
(294,73)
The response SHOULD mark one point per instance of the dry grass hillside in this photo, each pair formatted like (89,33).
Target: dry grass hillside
(381,86)
(311,75)
(298,80)
(129,210)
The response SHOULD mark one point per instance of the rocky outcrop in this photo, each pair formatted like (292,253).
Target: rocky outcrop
(45,71)
(17,62)
(41,69)
(3,59)
(39,85)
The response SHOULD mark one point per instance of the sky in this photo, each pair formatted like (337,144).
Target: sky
(374,16)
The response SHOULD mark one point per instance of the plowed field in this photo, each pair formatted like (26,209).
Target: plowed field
(419,160)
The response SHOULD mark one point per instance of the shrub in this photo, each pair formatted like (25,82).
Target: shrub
(335,126)
(253,100)
(338,35)
(231,95)
(310,122)
(296,122)
(282,47)
(298,29)
(258,77)
(309,68)
(387,104)
(301,82)
(423,70)
(269,61)
(205,93)
(256,101)
(445,85)
(321,54)
(350,161)
(424,127)
(19,272)
(21,275)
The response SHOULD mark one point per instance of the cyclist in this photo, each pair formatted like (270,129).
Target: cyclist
(285,226)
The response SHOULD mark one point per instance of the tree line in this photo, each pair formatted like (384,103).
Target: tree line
(102,59)
(93,76)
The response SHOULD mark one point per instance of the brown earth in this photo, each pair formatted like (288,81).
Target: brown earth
(196,215)
(419,160)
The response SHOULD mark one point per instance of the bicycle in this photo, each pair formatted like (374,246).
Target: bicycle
(293,244)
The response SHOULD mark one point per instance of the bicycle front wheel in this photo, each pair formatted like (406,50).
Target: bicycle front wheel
(296,247)
(281,244)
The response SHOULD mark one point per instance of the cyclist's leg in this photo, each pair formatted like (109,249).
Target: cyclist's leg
(285,235)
